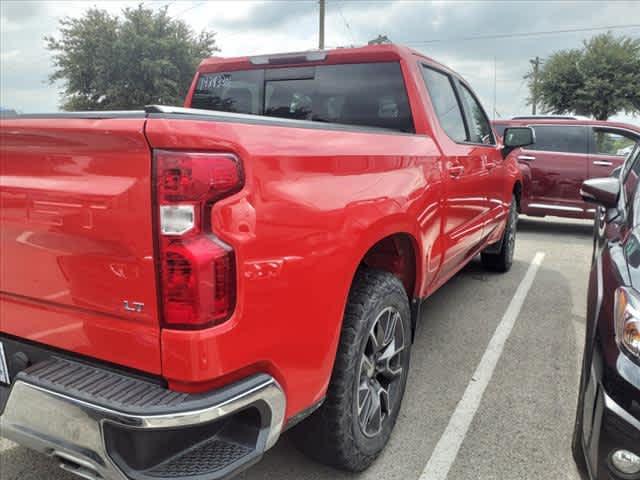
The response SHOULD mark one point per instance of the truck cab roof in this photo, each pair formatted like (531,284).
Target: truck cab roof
(362,54)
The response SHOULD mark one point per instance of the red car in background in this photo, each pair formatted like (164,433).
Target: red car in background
(567,151)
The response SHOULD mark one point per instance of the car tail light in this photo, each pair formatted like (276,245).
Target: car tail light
(197,269)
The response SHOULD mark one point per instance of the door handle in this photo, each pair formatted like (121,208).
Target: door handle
(456,170)
(603,163)
(528,158)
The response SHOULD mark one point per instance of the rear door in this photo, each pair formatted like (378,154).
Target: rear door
(481,137)
(76,244)
(465,203)
(557,166)
(608,148)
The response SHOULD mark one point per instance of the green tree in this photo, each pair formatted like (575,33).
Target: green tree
(121,62)
(560,81)
(599,80)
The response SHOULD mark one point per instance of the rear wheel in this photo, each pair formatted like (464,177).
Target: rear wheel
(362,404)
(502,260)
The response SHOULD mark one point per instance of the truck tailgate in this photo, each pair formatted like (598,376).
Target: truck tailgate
(76,238)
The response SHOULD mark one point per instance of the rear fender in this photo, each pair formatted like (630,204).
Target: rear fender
(395,225)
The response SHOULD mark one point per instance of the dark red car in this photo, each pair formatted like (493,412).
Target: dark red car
(567,152)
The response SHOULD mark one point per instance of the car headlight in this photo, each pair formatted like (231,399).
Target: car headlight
(627,320)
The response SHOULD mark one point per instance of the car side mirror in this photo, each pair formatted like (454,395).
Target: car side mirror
(602,191)
(515,137)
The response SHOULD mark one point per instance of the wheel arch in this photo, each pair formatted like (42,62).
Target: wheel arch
(398,252)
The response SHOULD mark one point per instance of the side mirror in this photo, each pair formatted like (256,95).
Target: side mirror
(602,191)
(515,137)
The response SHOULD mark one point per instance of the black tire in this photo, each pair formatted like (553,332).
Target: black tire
(344,432)
(503,259)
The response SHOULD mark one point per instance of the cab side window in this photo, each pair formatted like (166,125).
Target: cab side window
(500,128)
(479,126)
(445,102)
(630,175)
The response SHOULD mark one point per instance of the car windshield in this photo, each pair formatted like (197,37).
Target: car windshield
(368,94)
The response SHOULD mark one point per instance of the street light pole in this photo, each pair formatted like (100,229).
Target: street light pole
(321,30)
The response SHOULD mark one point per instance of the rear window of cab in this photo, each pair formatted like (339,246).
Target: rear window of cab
(366,94)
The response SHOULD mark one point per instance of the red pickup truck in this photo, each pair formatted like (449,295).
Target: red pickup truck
(567,151)
(180,285)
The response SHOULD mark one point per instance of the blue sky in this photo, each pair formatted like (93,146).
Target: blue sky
(439,29)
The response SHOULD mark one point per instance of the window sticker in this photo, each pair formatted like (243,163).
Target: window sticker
(209,82)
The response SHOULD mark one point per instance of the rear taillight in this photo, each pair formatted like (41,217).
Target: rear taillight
(197,268)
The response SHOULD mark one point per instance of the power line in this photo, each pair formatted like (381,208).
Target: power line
(197,4)
(519,34)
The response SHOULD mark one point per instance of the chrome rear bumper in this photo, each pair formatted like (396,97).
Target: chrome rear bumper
(95,440)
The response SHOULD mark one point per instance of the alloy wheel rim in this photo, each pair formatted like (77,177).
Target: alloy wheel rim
(380,371)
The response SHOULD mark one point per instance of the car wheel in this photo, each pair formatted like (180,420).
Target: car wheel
(363,400)
(503,259)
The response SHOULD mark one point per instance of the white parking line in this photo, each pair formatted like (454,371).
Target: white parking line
(447,448)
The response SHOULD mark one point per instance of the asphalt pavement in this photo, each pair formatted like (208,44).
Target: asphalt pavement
(494,373)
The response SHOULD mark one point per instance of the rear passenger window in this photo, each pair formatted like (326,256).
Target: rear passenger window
(479,127)
(560,138)
(612,143)
(445,103)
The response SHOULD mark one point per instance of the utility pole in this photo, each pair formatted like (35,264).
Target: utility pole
(495,86)
(534,84)
(321,30)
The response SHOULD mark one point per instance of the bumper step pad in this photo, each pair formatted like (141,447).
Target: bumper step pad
(112,425)
(102,387)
